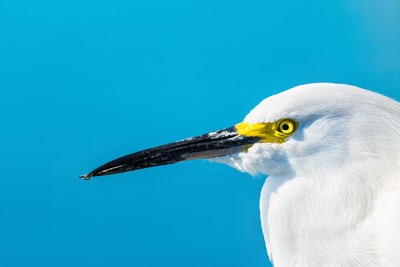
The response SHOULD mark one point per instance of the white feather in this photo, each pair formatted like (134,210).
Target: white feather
(332,197)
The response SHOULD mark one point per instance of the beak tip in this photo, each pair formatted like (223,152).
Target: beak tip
(85,176)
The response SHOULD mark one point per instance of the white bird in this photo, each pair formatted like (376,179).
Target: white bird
(332,154)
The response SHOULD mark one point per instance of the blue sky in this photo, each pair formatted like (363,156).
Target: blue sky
(83,82)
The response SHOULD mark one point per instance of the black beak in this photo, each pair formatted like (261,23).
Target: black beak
(215,144)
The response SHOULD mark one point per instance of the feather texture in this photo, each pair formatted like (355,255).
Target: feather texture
(332,197)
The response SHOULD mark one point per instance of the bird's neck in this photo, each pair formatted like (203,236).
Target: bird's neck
(323,220)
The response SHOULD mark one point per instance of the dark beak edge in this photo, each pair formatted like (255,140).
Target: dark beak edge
(215,144)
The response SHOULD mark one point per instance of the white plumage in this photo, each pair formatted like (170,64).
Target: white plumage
(332,153)
(332,197)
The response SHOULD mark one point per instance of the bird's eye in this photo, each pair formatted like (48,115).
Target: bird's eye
(287,126)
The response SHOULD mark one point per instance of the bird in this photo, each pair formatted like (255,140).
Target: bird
(331,154)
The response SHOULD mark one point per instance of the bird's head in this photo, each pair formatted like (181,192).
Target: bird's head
(307,128)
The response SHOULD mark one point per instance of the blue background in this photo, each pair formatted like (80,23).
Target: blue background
(83,82)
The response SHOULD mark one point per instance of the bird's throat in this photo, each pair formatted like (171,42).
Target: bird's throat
(304,220)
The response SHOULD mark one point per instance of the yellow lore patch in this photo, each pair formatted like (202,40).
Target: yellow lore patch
(270,132)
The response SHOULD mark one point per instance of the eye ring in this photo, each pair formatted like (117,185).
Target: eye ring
(287,126)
